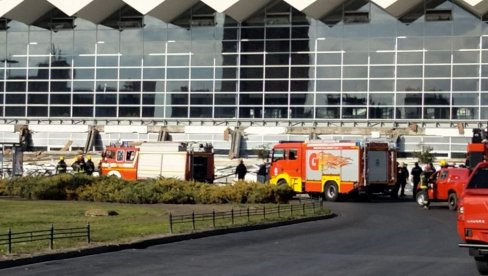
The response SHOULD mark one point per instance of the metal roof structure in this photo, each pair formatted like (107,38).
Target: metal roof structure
(29,11)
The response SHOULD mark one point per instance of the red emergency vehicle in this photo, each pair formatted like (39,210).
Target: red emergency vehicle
(446,184)
(330,168)
(159,159)
(472,219)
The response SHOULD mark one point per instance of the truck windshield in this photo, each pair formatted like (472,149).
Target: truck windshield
(130,155)
(278,154)
(479,179)
(120,155)
(292,154)
(108,154)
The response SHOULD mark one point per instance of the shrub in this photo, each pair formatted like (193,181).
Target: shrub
(104,189)
(20,186)
(162,190)
(283,193)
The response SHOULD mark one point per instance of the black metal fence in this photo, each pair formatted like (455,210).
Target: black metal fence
(40,235)
(193,221)
(249,214)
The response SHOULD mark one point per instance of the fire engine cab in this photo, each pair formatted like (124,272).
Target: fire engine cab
(159,159)
(330,168)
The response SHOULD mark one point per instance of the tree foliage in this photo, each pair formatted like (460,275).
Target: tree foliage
(425,156)
(262,152)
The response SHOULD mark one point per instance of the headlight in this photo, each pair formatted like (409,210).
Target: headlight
(461,210)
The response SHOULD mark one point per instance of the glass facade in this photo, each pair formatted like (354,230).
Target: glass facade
(278,65)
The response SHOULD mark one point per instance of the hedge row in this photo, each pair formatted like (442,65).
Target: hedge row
(162,190)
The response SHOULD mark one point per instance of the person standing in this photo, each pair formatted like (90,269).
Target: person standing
(241,170)
(396,188)
(262,173)
(432,167)
(429,170)
(61,166)
(415,172)
(424,186)
(90,166)
(403,177)
(79,165)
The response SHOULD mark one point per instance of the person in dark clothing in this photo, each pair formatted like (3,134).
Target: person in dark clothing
(416,172)
(402,178)
(89,165)
(79,166)
(61,166)
(396,188)
(241,171)
(432,168)
(428,171)
(262,173)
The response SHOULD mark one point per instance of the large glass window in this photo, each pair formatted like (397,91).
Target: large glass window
(276,64)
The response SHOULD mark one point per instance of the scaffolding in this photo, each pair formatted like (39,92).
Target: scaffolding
(11,159)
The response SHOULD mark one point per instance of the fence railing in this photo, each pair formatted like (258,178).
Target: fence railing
(193,221)
(244,215)
(40,235)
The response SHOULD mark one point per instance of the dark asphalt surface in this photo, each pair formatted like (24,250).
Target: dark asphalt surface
(379,237)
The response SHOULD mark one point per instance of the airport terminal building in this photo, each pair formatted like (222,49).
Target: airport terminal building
(413,70)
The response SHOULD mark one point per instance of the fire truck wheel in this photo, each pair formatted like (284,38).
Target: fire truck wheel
(452,201)
(331,191)
(482,265)
(114,173)
(282,182)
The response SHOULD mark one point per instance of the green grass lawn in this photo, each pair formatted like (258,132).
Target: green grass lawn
(134,221)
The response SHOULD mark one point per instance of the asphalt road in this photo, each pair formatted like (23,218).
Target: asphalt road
(366,238)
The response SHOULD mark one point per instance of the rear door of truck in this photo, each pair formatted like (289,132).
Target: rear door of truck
(377,167)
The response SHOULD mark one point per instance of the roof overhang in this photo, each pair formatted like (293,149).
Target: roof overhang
(398,8)
(98,10)
(316,9)
(237,9)
(92,10)
(70,7)
(165,10)
(25,11)
(477,7)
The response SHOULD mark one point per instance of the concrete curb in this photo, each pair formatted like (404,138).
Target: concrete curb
(152,242)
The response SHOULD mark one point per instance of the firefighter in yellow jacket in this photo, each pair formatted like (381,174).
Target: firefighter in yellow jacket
(79,166)
(423,199)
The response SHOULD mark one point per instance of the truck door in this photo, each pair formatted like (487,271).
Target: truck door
(432,183)
(201,167)
(377,170)
(293,165)
(441,185)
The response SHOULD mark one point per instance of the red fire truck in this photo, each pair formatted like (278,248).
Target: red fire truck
(335,167)
(159,159)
